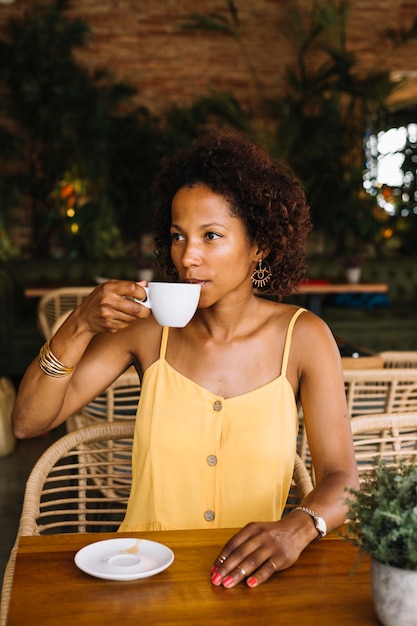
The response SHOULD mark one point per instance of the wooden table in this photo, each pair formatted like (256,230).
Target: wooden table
(316,290)
(363,362)
(326,587)
(37,292)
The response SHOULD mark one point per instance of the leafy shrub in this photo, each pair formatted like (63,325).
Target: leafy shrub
(383,514)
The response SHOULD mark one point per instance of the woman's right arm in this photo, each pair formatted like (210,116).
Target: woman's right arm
(94,340)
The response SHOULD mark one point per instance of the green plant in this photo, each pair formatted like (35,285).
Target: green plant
(8,249)
(383,514)
(43,87)
(323,118)
(67,121)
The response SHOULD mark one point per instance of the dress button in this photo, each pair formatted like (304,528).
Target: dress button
(217,405)
(212,460)
(209,516)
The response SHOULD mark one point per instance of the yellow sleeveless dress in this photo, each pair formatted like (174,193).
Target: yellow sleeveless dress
(203,461)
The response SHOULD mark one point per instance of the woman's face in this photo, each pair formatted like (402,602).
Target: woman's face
(210,246)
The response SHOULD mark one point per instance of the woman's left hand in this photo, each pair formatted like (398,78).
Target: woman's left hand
(256,552)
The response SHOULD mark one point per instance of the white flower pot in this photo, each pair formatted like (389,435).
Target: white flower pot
(394,594)
(353,274)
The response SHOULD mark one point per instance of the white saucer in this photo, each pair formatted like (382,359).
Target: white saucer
(126,558)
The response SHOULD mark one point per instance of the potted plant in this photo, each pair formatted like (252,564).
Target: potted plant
(383,523)
(353,267)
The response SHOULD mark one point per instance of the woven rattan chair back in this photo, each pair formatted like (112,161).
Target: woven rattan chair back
(390,436)
(117,403)
(54,305)
(372,391)
(62,494)
(399,358)
(301,484)
(392,390)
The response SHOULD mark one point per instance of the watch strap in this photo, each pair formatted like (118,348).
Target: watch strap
(319,522)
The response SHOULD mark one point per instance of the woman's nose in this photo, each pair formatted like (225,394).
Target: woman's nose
(191,255)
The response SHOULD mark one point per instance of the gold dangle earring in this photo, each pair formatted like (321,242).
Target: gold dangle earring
(262,274)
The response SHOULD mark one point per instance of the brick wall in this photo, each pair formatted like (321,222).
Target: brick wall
(139,40)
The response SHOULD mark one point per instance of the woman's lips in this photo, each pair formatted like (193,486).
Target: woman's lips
(195,281)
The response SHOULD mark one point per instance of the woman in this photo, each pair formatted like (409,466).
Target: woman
(217,420)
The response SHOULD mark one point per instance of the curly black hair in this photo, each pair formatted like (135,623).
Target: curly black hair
(262,191)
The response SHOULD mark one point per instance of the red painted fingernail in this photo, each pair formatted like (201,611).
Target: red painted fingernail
(251,582)
(216,579)
(228,581)
(213,570)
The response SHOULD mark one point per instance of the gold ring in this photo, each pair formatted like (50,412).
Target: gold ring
(242,571)
(273,565)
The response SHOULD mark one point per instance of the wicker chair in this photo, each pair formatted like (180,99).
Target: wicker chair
(399,358)
(56,304)
(391,436)
(370,392)
(62,494)
(117,403)
(301,485)
(388,390)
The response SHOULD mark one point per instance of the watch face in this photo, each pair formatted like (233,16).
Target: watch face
(321,526)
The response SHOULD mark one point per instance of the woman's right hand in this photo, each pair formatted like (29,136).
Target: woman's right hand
(111,306)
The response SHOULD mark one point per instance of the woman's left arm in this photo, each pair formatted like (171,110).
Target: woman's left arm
(261,548)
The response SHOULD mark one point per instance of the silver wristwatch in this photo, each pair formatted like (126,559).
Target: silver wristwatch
(319,522)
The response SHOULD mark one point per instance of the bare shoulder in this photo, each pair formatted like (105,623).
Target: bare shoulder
(308,322)
(313,342)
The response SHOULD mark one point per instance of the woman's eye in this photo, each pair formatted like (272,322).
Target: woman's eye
(176,237)
(211,236)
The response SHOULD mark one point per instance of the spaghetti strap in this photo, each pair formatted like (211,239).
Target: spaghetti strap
(164,342)
(288,341)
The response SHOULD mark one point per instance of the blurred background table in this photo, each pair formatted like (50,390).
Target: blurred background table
(315,290)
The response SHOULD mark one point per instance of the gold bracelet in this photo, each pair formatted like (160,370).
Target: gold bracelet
(50,365)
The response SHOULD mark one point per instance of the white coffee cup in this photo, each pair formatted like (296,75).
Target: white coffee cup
(172,304)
